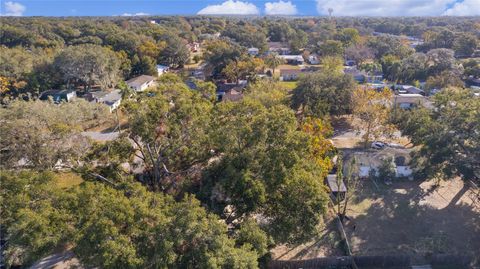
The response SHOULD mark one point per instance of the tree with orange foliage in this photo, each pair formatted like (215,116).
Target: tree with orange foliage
(372,108)
(321,149)
(245,69)
(4,85)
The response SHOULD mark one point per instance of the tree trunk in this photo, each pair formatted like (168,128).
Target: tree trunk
(367,135)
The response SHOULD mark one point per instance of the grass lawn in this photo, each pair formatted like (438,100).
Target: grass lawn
(67,180)
(290,85)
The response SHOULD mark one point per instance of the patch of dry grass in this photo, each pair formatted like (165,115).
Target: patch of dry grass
(67,180)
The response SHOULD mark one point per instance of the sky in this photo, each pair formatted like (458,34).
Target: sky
(240,7)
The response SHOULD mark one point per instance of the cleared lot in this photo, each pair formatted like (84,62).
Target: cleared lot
(414,218)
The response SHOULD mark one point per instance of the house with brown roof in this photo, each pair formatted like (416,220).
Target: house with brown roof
(141,83)
(278,48)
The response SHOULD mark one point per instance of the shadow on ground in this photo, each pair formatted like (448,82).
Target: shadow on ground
(402,220)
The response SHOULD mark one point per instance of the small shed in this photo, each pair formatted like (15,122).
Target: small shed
(334,188)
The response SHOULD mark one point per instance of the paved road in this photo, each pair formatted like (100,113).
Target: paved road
(64,260)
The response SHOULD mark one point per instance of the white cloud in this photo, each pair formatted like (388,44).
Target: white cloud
(280,8)
(135,14)
(13,9)
(383,8)
(230,7)
(465,8)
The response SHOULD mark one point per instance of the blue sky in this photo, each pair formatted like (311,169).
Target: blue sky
(240,7)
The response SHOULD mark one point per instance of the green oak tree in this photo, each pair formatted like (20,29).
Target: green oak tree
(448,135)
(323,93)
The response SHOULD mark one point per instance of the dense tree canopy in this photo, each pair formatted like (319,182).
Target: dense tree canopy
(220,53)
(175,53)
(320,94)
(122,227)
(90,65)
(255,173)
(170,130)
(39,134)
(448,135)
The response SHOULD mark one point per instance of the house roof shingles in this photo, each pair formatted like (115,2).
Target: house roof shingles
(140,80)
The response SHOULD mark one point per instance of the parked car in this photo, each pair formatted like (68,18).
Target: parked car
(378,145)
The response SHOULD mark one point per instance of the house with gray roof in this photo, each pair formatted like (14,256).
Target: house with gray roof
(112,99)
(141,83)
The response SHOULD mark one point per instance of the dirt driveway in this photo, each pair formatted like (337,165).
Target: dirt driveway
(348,136)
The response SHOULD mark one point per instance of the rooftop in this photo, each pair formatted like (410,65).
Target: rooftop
(162,67)
(107,97)
(333,184)
(140,80)
(290,71)
(292,57)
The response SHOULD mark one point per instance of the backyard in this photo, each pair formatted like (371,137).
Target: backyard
(404,218)
(414,218)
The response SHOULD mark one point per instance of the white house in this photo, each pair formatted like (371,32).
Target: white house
(411,100)
(141,83)
(162,69)
(370,162)
(293,59)
(289,74)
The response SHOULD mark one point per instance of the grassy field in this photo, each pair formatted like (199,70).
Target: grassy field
(67,180)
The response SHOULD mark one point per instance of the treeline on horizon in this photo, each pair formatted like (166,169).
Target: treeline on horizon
(139,45)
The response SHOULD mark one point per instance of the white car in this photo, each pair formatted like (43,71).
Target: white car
(378,145)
